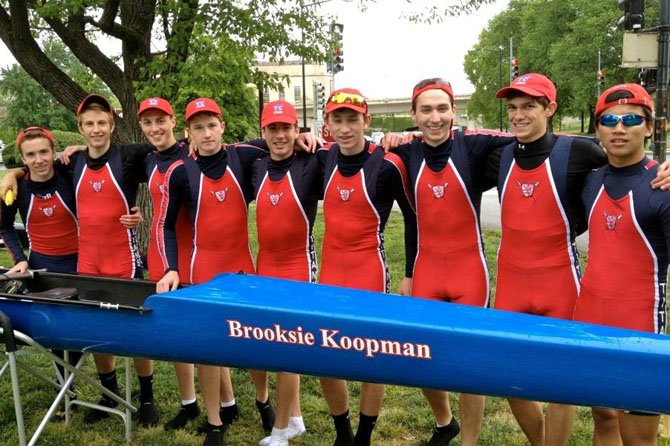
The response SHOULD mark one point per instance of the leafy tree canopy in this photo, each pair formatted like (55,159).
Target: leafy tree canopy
(559,38)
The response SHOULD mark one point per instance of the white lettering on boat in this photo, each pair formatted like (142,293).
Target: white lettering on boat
(330,338)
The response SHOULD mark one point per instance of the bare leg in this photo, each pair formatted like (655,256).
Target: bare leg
(558,424)
(185,380)
(288,388)
(104,363)
(605,427)
(260,380)
(439,404)
(210,383)
(471,409)
(531,419)
(336,395)
(143,366)
(226,385)
(372,396)
(638,430)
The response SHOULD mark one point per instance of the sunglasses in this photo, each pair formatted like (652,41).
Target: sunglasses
(630,120)
(348,98)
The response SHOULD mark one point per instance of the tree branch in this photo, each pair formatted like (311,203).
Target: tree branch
(15,33)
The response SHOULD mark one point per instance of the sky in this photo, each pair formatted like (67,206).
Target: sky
(384,54)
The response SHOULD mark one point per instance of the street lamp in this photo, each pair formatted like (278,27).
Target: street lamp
(302,61)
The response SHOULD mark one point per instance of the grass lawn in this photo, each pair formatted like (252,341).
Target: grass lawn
(405,420)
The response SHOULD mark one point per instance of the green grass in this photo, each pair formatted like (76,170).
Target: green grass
(405,420)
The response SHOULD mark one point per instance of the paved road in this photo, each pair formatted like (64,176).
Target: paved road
(490,217)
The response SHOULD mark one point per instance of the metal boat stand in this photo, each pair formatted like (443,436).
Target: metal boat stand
(17,345)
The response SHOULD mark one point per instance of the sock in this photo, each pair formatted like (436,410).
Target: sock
(146,388)
(109,382)
(296,423)
(366,425)
(185,403)
(343,426)
(228,403)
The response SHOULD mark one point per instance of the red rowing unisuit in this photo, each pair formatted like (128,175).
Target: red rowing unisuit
(450,263)
(105,246)
(183,228)
(221,206)
(283,231)
(536,272)
(352,244)
(620,286)
(51,226)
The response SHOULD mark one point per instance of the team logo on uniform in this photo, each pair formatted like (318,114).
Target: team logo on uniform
(345,194)
(610,221)
(161,188)
(527,189)
(274,198)
(220,195)
(97,185)
(48,211)
(438,191)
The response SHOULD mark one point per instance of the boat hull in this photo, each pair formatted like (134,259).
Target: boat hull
(273,324)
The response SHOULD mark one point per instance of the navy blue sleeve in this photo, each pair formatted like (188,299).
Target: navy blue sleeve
(178,194)
(9,234)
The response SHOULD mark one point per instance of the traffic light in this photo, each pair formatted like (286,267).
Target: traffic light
(649,79)
(337,55)
(514,68)
(319,95)
(601,78)
(633,17)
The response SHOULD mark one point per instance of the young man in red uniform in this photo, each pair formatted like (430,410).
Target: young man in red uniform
(287,189)
(106,180)
(213,185)
(360,185)
(541,177)
(158,122)
(45,201)
(447,172)
(629,244)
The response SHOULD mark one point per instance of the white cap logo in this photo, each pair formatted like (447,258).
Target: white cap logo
(199,104)
(153,101)
(278,109)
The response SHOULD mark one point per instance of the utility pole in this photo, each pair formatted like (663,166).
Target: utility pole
(660,124)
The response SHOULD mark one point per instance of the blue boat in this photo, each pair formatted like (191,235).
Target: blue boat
(272,324)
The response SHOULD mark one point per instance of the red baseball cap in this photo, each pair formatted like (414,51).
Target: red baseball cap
(94,99)
(202,105)
(278,111)
(640,96)
(42,132)
(532,84)
(346,98)
(155,104)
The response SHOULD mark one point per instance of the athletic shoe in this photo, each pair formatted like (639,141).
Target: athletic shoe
(341,441)
(214,436)
(443,435)
(296,427)
(268,414)
(147,414)
(186,413)
(278,442)
(94,415)
(229,415)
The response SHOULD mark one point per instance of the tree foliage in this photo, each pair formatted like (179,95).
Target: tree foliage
(174,49)
(559,38)
(28,103)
